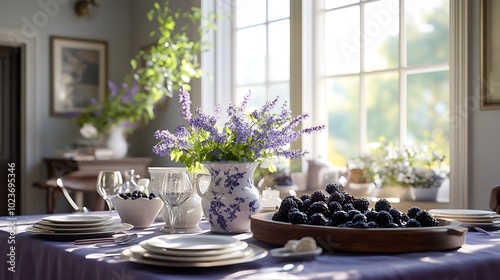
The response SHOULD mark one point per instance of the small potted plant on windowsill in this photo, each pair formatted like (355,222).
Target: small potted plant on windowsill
(402,171)
(360,175)
(429,172)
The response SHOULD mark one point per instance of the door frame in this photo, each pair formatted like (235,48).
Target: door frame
(28,170)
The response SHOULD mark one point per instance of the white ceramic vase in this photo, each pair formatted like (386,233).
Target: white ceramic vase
(232,197)
(116,141)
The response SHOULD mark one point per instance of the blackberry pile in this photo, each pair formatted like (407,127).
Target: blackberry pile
(135,195)
(337,208)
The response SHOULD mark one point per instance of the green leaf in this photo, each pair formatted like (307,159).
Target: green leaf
(133,63)
(271,167)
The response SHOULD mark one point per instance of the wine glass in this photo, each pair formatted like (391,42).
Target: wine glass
(174,189)
(108,183)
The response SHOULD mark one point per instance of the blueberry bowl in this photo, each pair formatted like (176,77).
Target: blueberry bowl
(139,211)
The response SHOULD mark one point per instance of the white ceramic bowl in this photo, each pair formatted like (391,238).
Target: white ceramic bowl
(140,212)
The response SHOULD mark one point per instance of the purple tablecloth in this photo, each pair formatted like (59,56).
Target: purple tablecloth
(38,258)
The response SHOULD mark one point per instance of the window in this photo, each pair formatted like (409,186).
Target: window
(368,68)
(262,50)
(385,73)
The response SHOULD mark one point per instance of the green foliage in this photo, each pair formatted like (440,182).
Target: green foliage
(420,165)
(158,71)
(427,93)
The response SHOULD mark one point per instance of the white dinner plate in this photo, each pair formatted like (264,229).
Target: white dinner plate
(284,253)
(257,253)
(485,219)
(76,219)
(150,255)
(192,242)
(77,225)
(241,245)
(83,230)
(112,230)
(461,212)
(476,224)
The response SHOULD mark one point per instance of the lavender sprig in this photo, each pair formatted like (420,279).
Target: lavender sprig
(258,136)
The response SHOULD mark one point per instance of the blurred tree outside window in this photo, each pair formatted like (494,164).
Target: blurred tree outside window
(386,74)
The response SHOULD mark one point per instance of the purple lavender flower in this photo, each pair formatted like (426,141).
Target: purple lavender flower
(129,96)
(113,89)
(243,137)
(185,101)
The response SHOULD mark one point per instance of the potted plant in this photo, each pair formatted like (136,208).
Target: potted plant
(428,173)
(407,169)
(360,175)
(230,152)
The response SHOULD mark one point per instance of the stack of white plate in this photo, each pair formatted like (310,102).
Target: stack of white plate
(469,217)
(69,225)
(193,251)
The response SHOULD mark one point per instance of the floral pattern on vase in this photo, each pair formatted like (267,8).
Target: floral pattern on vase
(232,197)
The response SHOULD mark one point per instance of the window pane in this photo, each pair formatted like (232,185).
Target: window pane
(279,50)
(382,102)
(427,28)
(282,90)
(250,12)
(260,96)
(342,41)
(257,99)
(381,35)
(428,108)
(278,9)
(330,4)
(342,103)
(251,55)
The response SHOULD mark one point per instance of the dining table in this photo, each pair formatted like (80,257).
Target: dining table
(29,256)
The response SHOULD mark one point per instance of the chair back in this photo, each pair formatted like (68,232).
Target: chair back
(495,199)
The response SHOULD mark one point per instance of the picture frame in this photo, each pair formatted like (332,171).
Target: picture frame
(78,70)
(490,56)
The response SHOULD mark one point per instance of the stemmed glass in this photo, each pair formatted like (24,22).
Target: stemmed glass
(108,183)
(174,189)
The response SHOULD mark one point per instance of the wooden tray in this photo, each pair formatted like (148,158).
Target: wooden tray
(377,240)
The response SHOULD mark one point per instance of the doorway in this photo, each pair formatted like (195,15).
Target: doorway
(10,130)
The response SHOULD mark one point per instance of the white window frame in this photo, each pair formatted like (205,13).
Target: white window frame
(306,90)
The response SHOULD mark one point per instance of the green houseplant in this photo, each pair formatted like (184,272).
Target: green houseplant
(155,72)
(419,166)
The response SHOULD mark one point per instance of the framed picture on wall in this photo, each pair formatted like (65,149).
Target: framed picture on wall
(490,55)
(78,74)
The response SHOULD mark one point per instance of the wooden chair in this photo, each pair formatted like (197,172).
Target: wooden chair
(495,199)
(74,183)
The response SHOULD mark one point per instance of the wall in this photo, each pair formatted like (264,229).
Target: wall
(484,132)
(37,20)
(168,116)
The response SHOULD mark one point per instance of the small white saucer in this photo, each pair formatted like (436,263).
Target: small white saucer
(284,253)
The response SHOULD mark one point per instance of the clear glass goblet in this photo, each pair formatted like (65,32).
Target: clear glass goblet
(108,183)
(174,189)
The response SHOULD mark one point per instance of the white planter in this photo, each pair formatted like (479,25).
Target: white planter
(426,194)
(360,189)
(116,142)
